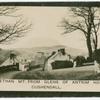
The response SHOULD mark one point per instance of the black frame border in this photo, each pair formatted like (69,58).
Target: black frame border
(26,94)
(42,93)
(50,4)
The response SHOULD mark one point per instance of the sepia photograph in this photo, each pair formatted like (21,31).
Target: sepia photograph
(50,43)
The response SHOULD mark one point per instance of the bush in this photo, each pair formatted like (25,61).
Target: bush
(96,55)
(80,60)
(89,59)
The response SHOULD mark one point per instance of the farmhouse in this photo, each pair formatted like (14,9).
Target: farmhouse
(58,60)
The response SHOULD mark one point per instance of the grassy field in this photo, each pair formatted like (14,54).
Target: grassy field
(81,73)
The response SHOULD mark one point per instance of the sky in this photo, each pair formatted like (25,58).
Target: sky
(45,30)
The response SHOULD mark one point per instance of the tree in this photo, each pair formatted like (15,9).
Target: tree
(9,32)
(87,22)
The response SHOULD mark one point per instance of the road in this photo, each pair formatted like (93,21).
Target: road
(59,72)
(84,68)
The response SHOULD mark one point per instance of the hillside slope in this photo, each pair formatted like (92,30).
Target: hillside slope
(28,52)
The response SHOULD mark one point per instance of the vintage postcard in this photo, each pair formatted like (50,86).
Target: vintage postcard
(50,47)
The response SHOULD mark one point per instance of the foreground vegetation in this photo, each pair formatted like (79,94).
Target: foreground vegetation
(61,74)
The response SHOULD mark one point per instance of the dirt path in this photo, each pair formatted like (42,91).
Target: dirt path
(74,73)
(84,68)
(59,74)
(79,72)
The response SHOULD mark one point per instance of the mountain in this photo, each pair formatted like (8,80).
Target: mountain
(30,52)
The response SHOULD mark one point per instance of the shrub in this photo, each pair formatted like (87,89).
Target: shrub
(89,59)
(96,55)
(80,60)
